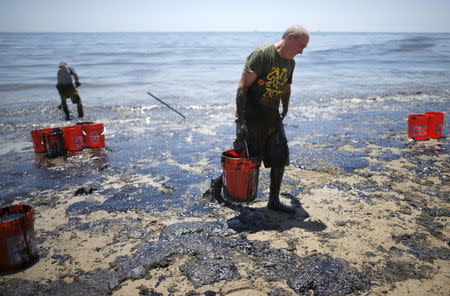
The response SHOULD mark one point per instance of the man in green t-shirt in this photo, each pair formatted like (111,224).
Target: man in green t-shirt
(265,81)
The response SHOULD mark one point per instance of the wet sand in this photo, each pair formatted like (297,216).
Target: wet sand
(372,214)
(389,225)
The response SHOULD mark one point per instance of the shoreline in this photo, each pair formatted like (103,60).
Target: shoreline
(135,218)
(388,228)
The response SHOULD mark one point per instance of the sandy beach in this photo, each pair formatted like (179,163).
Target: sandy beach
(368,232)
(137,218)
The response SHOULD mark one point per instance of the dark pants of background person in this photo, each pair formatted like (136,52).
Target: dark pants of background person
(69,91)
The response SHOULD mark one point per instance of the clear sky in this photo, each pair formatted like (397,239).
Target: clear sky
(226,15)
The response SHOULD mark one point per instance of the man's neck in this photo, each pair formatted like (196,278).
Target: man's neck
(281,49)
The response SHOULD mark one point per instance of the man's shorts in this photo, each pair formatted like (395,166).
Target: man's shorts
(268,143)
(69,91)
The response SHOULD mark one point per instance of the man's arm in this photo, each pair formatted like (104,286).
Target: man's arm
(285,99)
(247,78)
(75,75)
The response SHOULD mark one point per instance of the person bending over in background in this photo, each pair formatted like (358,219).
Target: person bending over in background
(66,88)
(265,81)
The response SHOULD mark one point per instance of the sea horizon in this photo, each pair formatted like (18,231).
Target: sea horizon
(231,31)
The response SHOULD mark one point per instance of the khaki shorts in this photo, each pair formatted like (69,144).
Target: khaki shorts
(69,91)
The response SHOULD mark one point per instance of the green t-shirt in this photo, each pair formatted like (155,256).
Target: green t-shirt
(274,72)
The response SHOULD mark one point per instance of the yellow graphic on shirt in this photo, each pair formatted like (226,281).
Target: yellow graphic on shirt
(274,86)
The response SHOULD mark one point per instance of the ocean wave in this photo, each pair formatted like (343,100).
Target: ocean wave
(156,53)
(211,106)
(96,64)
(23,86)
(412,44)
(394,46)
(397,97)
(26,66)
(333,108)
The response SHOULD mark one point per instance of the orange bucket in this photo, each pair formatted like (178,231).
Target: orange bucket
(435,124)
(73,136)
(240,176)
(94,135)
(418,127)
(38,140)
(54,143)
(18,246)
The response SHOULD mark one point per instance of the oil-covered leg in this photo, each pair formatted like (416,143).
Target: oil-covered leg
(276,176)
(216,188)
(79,107)
(65,108)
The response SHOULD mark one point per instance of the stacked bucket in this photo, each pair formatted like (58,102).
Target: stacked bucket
(18,246)
(425,126)
(57,141)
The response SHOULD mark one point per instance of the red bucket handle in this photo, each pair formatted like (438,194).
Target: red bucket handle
(104,130)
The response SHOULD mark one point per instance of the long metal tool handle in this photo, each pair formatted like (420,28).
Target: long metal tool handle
(246,148)
(167,105)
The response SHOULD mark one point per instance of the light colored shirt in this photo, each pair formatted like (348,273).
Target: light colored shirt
(65,74)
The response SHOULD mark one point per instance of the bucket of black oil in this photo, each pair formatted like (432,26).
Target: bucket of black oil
(18,246)
(240,176)
(54,143)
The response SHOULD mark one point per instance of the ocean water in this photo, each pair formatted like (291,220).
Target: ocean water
(349,89)
(204,68)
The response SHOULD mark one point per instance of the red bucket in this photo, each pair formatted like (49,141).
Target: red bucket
(73,136)
(38,140)
(94,135)
(418,127)
(240,176)
(54,143)
(435,124)
(18,246)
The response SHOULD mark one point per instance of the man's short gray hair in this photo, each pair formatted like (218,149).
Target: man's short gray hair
(297,30)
